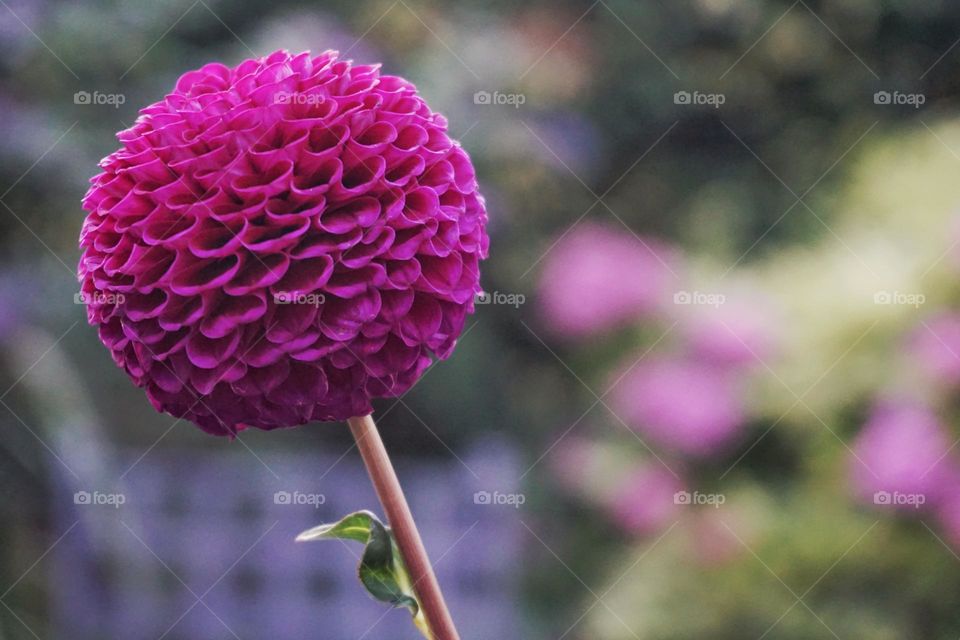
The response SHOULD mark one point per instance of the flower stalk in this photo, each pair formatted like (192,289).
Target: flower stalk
(395,506)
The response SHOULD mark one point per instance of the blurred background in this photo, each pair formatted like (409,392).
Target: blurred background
(712,390)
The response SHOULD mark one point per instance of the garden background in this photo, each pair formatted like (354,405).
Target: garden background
(712,390)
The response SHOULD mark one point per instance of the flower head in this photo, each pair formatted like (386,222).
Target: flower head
(282,241)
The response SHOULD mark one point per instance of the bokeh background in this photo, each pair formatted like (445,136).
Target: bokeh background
(712,390)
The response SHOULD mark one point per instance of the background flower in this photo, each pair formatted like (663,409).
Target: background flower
(645,500)
(902,449)
(597,278)
(741,331)
(682,404)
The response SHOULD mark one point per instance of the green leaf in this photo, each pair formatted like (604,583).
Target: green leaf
(355,526)
(382,571)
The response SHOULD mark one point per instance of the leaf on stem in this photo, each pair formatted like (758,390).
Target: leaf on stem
(382,571)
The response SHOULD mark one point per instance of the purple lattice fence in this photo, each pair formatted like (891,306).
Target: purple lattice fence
(212,526)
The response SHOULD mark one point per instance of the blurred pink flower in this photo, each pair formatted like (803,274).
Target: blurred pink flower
(684,405)
(899,458)
(644,501)
(733,334)
(597,278)
(935,344)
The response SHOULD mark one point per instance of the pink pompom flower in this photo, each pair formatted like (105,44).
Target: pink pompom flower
(281,241)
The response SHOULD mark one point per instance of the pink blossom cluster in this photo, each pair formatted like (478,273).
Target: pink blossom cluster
(684,397)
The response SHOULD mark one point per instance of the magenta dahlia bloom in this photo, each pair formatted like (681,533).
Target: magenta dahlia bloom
(282,241)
